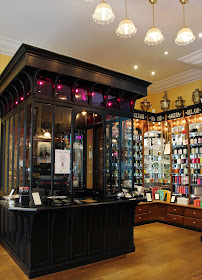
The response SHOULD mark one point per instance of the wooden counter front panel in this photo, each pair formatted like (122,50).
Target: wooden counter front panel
(193,222)
(153,212)
(162,213)
(176,219)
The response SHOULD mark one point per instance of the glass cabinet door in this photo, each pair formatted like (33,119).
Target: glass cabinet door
(112,155)
(126,153)
(156,157)
(180,161)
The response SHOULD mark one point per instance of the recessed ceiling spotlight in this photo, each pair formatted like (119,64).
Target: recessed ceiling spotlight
(136,67)
(166,53)
(200,35)
(153,73)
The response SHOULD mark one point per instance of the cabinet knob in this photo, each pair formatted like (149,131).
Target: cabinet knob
(194,213)
(140,218)
(174,218)
(194,222)
(139,209)
(149,212)
(174,209)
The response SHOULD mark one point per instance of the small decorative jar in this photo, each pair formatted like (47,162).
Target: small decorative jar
(145,105)
(196,96)
(179,103)
(165,102)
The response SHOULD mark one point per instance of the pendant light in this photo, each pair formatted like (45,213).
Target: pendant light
(103,13)
(154,35)
(126,27)
(185,36)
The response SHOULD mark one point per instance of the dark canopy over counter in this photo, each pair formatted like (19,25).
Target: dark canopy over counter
(49,239)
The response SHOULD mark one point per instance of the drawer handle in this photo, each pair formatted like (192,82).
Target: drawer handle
(174,218)
(194,222)
(174,209)
(149,212)
(140,218)
(139,209)
(194,213)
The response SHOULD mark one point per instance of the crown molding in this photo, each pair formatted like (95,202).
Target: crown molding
(8,46)
(176,81)
(193,58)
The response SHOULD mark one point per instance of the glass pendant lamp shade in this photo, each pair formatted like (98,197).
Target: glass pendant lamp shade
(103,13)
(185,36)
(126,28)
(154,36)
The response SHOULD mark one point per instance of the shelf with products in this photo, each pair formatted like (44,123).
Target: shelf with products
(180,157)
(156,156)
(138,151)
(195,160)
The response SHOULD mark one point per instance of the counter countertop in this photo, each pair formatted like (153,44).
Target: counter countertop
(83,204)
(168,203)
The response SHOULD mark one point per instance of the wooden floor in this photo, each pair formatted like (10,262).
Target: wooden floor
(162,252)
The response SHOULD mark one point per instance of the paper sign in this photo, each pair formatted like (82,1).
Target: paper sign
(167,149)
(62,161)
(36,199)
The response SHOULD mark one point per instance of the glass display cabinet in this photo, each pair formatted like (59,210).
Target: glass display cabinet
(156,156)
(195,158)
(180,157)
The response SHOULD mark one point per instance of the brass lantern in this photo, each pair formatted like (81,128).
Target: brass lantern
(145,105)
(179,103)
(165,102)
(196,96)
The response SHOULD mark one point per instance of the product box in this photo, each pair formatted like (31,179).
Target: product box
(197,202)
(183,200)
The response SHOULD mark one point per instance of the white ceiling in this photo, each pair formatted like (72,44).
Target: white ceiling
(66,27)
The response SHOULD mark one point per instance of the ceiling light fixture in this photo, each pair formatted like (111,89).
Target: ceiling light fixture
(185,35)
(200,35)
(165,53)
(153,73)
(103,13)
(154,35)
(126,27)
(136,67)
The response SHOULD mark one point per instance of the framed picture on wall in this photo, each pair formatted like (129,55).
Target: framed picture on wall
(44,152)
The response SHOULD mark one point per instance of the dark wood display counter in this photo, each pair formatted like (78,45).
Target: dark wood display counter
(186,216)
(49,239)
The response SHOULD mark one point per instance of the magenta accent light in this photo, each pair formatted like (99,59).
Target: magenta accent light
(22,98)
(59,86)
(109,104)
(16,102)
(76,90)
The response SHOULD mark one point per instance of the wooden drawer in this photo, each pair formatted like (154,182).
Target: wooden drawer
(142,209)
(141,218)
(193,213)
(193,222)
(176,219)
(176,210)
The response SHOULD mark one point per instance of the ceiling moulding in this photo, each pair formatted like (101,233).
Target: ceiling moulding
(176,81)
(193,58)
(8,46)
